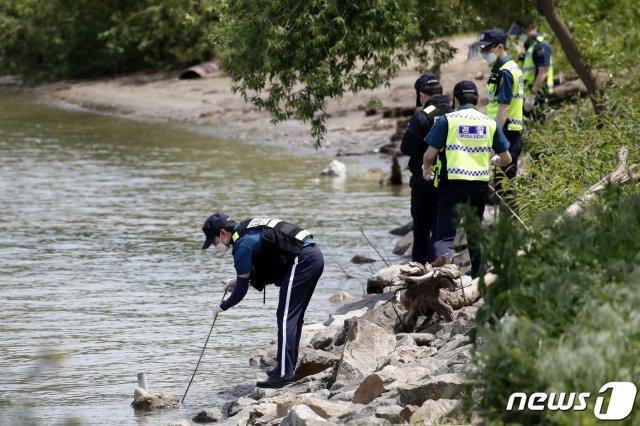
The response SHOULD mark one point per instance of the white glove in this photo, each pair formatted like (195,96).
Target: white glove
(230,285)
(217,309)
(495,160)
(428,174)
(529,102)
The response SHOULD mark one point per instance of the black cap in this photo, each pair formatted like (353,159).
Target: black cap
(463,87)
(490,37)
(212,226)
(426,79)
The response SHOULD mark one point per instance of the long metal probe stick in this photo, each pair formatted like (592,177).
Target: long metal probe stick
(203,348)
(508,207)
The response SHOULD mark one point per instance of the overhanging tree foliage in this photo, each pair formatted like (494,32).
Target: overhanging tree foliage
(288,57)
(56,39)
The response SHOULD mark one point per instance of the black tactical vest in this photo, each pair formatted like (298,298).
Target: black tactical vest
(281,243)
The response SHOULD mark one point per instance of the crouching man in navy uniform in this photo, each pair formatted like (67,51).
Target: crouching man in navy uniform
(270,251)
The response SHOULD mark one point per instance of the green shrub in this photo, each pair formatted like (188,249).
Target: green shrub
(563,316)
(570,152)
(49,40)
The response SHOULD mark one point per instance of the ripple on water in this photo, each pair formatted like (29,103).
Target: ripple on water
(103,276)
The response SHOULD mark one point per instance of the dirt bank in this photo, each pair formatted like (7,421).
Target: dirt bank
(210,102)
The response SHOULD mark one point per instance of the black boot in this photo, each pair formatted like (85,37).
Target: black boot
(275,382)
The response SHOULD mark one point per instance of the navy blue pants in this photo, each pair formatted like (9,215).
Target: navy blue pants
(424,199)
(451,194)
(296,289)
(515,148)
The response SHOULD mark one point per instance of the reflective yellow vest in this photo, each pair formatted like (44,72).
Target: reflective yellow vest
(529,68)
(514,113)
(467,150)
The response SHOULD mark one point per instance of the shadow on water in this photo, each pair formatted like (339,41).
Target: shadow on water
(101,242)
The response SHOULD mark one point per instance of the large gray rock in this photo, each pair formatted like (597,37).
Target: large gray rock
(260,413)
(340,318)
(264,357)
(313,362)
(392,413)
(408,354)
(431,412)
(212,415)
(404,340)
(368,421)
(436,387)
(421,339)
(370,388)
(366,347)
(394,377)
(326,337)
(321,407)
(385,277)
(316,385)
(232,408)
(301,415)
(368,301)
(404,244)
(143,400)
(456,356)
(309,331)
(455,342)
(434,366)
(384,315)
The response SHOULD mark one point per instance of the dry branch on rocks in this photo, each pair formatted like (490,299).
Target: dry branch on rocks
(621,174)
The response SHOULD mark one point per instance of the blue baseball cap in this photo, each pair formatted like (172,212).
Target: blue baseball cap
(425,80)
(464,86)
(490,37)
(212,227)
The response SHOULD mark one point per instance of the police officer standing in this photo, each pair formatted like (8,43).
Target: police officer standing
(270,251)
(537,68)
(460,144)
(432,104)
(506,94)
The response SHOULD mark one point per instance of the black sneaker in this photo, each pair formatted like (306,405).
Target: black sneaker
(273,371)
(275,382)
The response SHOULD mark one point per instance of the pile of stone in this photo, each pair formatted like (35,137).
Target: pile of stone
(363,366)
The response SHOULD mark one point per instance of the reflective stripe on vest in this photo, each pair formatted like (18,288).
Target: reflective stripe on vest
(529,69)
(468,147)
(514,112)
(270,223)
(428,110)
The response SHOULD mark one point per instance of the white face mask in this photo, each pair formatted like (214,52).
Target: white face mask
(489,57)
(523,37)
(221,247)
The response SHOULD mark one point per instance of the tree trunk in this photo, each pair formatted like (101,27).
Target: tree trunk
(573,55)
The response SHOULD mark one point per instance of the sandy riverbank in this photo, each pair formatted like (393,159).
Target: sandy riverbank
(210,102)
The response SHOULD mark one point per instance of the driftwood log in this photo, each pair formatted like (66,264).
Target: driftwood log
(435,288)
(621,174)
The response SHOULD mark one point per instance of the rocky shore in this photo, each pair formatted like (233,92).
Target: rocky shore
(368,364)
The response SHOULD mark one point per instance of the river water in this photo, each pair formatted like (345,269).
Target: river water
(102,275)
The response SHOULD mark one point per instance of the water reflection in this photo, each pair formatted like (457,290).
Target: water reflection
(101,261)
